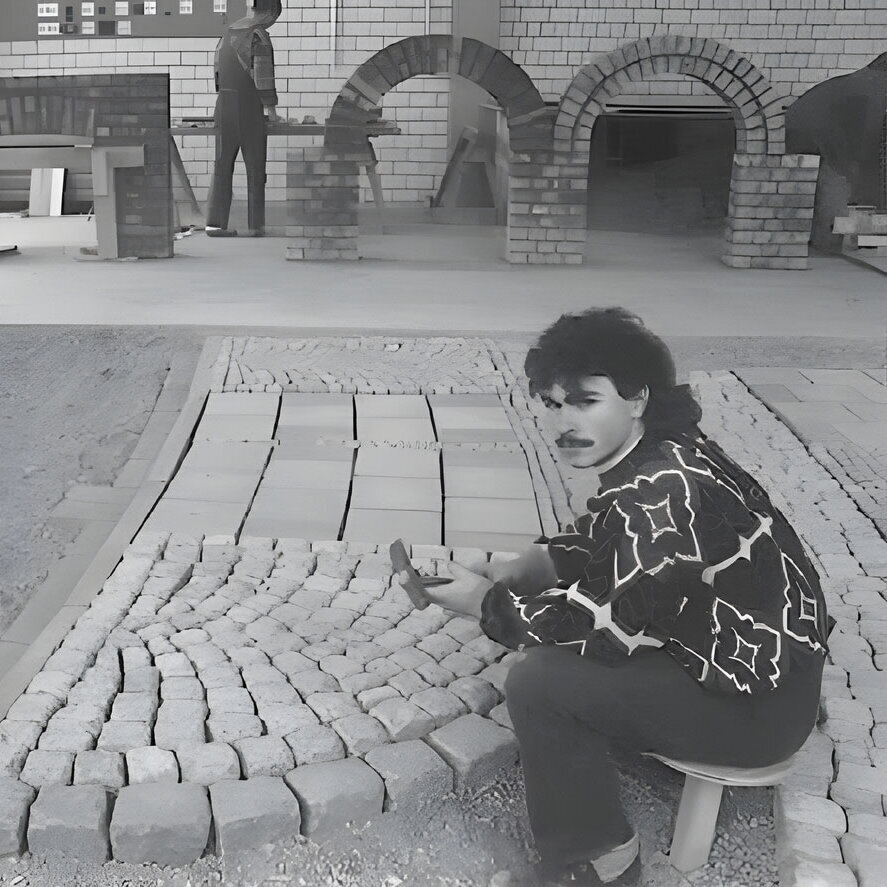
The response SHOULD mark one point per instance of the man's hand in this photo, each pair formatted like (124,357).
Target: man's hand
(273,116)
(463,595)
(530,573)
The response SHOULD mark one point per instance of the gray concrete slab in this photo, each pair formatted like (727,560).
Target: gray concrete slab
(650,274)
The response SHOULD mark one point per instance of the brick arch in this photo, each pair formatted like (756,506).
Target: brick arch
(757,106)
(529,120)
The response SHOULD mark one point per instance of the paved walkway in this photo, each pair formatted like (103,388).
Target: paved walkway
(842,415)
(447,278)
(299,668)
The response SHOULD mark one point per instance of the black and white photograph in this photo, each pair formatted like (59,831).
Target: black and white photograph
(444,443)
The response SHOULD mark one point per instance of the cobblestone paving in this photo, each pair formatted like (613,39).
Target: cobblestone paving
(842,416)
(862,474)
(202,661)
(830,813)
(361,365)
(275,686)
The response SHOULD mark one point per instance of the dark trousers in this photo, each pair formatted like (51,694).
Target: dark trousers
(567,709)
(240,127)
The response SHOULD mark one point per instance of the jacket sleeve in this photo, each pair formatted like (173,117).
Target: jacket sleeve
(263,70)
(517,621)
(558,616)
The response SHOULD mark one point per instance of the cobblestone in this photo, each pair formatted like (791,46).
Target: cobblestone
(206,763)
(59,737)
(331,706)
(231,726)
(227,699)
(415,777)
(402,719)
(180,722)
(138,706)
(866,860)
(335,793)
(478,695)
(70,822)
(441,704)
(47,767)
(160,823)
(474,747)
(248,814)
(99,768)
(151,764)
(124,735)
(264,756)
(15,800)
(314,744)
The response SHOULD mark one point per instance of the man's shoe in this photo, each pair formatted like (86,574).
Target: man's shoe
(220,232)
(584,875)
(619,867)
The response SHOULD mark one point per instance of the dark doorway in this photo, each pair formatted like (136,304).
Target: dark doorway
(657,170)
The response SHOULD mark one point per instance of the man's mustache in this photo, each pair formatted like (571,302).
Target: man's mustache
(566,441)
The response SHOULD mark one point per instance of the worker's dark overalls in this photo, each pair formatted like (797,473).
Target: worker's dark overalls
(243,59)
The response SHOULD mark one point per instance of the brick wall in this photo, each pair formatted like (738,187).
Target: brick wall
(310,73)
(793,47)
(111,110)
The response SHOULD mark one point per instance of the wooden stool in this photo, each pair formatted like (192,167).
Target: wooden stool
(694,830)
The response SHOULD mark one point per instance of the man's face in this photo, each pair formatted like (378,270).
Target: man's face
(590,420)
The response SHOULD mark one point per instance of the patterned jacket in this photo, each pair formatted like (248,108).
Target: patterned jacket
(682,550)
(251,45)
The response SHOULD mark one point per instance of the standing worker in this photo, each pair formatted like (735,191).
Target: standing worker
(244,69)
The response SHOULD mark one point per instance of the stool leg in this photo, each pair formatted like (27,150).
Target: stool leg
(694,831)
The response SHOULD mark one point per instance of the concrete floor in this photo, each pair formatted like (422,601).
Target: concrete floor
(445,278)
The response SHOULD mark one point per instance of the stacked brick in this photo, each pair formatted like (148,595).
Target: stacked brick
(322,196)
(529,120)
(758,107)
(771,211)
(797,44)
(546,208)
(119,109)
(412,57)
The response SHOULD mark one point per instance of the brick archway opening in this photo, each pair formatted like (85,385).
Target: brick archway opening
(771,192)
(324,214)
(323,182)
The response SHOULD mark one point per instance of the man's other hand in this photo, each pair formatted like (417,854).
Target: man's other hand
(463,595)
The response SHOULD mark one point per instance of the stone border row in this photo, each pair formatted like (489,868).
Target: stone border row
(82,588)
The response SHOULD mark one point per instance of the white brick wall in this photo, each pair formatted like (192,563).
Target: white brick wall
(310,74)
(796,43)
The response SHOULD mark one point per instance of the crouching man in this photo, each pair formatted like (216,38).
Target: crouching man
(677,615)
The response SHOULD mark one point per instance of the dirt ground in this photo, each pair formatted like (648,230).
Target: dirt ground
(73,402)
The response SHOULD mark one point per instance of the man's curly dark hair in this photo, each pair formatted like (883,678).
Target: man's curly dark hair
(614,342)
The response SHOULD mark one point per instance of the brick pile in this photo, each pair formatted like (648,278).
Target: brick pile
(322,196)
(770,211)
(546,208)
